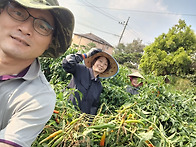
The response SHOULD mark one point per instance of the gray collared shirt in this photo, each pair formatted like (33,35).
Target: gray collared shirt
(26,104)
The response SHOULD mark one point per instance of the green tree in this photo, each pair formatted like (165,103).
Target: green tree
(129,54)
(89,46)
(135,47)
(120,48)
(170,53)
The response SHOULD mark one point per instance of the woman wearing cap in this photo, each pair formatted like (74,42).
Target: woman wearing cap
(135,83)
(98,64)
(29,29)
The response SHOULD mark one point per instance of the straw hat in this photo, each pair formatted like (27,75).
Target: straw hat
(136,74)
(113,64)
(64,24)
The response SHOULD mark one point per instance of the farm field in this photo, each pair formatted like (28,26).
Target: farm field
(161,115)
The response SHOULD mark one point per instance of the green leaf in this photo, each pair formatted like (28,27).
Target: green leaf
(172,136)
(146,135)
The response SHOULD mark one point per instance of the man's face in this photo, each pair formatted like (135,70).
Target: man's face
(19,40)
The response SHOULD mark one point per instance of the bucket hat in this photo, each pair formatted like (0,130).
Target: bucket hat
(64,24)
(136,74)
(111,72)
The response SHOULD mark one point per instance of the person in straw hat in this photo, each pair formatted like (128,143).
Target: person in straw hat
(134,78)
(29,29)
(98,64)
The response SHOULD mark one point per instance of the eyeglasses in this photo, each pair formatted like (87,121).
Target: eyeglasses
(19,13)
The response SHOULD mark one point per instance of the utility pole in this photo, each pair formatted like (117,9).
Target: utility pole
(123,30)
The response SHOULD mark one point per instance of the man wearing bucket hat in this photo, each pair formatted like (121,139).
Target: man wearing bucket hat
(135,83)
(98,64)
(29,29)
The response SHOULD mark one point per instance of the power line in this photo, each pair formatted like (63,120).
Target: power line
(153,12)
(100,10)
(86,3)
(98,29)
(140,11)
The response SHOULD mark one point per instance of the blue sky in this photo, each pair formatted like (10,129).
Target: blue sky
(147,18)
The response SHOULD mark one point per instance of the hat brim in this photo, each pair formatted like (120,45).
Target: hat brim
(64,31)
(113,64)
(136,74)
(64,21)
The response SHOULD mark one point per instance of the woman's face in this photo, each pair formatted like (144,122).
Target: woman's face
(134,82)
(100,65)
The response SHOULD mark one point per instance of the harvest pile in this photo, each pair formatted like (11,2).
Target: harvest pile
(160,116)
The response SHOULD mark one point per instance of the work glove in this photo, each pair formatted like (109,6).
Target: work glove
(92,52)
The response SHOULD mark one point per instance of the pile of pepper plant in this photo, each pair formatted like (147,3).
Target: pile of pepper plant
(159,116)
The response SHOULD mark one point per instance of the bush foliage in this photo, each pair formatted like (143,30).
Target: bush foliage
(171,53)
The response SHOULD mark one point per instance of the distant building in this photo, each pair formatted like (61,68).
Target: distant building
(85,39)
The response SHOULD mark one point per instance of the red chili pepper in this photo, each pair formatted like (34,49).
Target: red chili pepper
(150,145)
(57,120)
(102,140)
(55,111)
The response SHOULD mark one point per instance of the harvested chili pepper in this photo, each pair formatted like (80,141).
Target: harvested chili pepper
(51,136)
(55,111)
(102,142)
(150,145)
(57,120)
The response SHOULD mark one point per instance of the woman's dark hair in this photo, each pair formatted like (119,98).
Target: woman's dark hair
(93,62)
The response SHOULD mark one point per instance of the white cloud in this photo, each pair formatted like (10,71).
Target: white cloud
(148,18)
(148,5)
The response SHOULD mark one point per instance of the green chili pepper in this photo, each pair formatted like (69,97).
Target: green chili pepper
(102,126)
(57,141)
